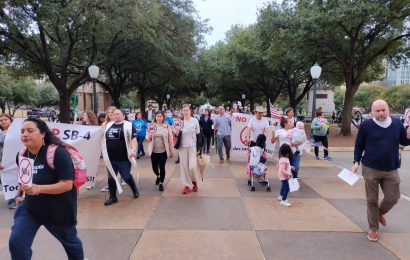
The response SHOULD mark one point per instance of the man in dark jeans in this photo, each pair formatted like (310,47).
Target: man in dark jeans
(377,148)
(205,123)
(222,126)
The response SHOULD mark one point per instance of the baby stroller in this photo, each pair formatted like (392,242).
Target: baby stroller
(256,167)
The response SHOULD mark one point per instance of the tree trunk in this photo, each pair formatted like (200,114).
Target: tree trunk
(116,99)
(346,129)
(141,93)
(64,107)
(3,108)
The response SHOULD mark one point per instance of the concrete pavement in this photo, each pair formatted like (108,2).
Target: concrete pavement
(225,220)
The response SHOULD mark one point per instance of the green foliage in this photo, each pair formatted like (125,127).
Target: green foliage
(398,97)
(339,98)
(366,95)
(47,95)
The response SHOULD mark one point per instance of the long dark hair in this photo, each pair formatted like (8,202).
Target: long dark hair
(49,137)
(285,151)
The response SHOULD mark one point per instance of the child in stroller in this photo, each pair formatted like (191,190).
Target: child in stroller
(256,167)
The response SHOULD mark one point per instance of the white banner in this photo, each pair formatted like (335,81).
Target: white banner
(86,139)
(407,117)
(239,124)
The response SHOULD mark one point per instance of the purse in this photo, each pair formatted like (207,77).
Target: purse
(179,140)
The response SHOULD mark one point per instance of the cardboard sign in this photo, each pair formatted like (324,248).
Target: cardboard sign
(25,175)
(178,124)
(152,128)
(239,125)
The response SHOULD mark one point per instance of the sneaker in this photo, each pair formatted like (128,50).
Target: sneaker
(185,190)
(123,183)
(280,198)
(195,188)
(89,187)
(161,187)
(285,203)
(327,158)
(317,157)
(105,189)
(372,235)
(221,161)
(382,220)
(213,146)
(12,204)
(138,157)
(177,161)
(228,157)
(157,181)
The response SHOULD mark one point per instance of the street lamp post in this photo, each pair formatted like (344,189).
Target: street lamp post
(94,71)
(315,71)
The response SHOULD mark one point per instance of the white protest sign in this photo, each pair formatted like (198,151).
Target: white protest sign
(239,124)
(407,117)
(348,176)
(86,139)
(25,173)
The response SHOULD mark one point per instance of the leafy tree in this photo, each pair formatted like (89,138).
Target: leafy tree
(47,95)
(23,92)
(349,39)
(5,91)
(398,97)
(366,95)
(62,38)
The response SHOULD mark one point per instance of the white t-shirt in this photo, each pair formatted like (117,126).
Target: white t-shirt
(189,132)
(284,136)
(257,127)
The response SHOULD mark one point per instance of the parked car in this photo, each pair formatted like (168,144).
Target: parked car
(34,113)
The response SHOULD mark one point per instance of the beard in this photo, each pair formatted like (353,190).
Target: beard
(381,118)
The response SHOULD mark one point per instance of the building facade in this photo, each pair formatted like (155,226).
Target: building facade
(85,98)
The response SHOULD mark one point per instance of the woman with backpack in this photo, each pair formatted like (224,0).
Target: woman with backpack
(51,200)
(160,147)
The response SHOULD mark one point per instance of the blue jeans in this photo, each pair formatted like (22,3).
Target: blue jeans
(124,167)
(284,190)
(25,229)
(140,140)
(295,162)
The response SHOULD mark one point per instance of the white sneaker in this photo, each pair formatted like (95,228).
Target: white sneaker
(213,146)
(285,203)
(123,183)
(280,198)
(104,189)
(89,188)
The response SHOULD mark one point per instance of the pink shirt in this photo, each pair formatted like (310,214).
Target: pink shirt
(284,171)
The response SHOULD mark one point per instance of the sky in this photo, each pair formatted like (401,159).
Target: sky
(222,14)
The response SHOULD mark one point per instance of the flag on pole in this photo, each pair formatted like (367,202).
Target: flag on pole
(273,112)
(75,108)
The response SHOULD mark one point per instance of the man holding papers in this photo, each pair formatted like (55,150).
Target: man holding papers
(377,147)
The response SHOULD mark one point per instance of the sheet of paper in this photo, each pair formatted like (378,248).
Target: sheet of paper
(348,176)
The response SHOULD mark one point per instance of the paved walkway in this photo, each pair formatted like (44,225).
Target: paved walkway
(224,220)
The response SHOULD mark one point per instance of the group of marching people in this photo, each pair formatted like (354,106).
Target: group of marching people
(51,200)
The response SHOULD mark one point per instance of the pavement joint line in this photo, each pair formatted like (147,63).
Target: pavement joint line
(360,176)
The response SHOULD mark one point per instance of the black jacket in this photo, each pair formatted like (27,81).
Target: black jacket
(206,126)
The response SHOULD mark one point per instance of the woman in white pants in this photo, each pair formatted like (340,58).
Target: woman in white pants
(187,151)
